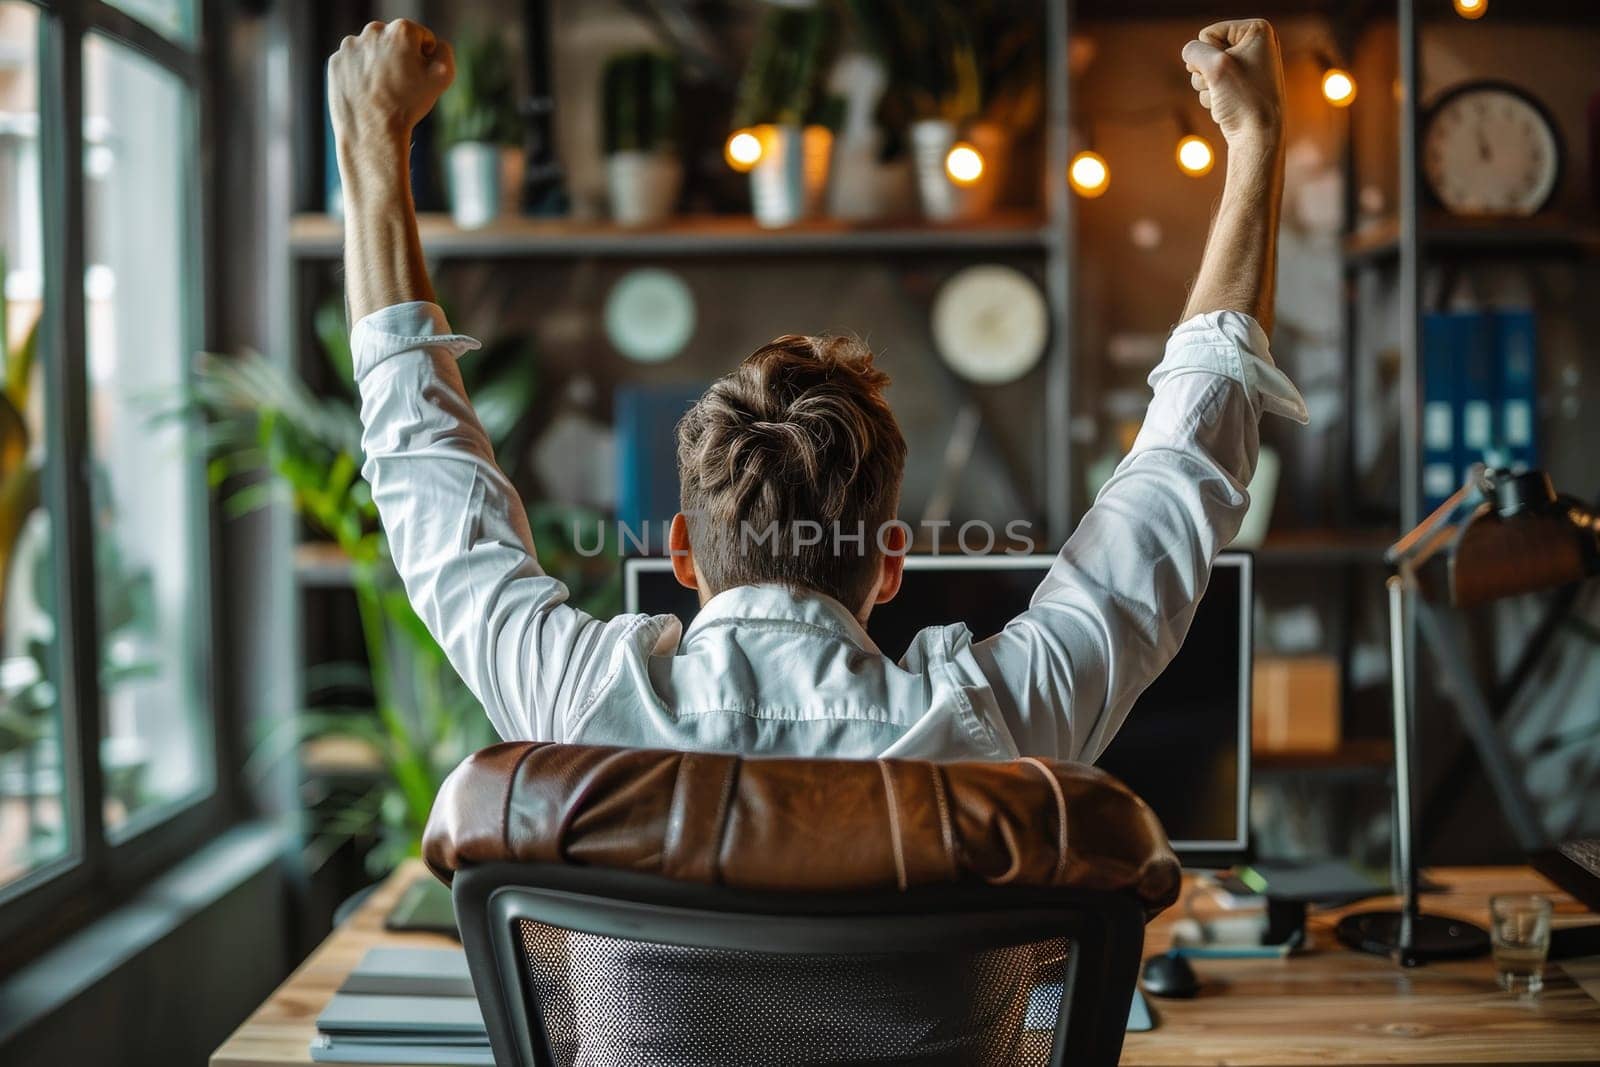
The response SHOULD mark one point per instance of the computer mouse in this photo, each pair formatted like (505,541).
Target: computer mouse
(1170,975)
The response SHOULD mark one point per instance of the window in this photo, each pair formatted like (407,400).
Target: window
(175,18)
(138,152)
(34,826)
(108,737)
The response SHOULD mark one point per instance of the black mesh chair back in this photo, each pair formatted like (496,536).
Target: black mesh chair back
(647,907)
(584,967)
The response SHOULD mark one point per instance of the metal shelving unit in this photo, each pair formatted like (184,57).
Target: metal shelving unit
(1350,551)
(1420,237)
(315,240)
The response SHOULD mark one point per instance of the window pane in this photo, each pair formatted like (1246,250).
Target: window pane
(149,558)
(33,814)
(174,18)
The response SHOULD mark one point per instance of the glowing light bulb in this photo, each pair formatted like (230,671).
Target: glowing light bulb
(1338,87)
(1089,174)
(1195,157)
(1472,9)
(743,150)
(963,163)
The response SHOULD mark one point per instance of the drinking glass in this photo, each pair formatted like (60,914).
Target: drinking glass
(1520,929)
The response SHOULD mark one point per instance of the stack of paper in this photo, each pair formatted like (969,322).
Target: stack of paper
(404,1005)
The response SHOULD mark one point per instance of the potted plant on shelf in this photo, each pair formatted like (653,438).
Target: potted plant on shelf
(643,171)
(477,122)
(781,100)
(960,73)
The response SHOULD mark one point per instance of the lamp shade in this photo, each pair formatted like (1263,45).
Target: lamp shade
(1529,538)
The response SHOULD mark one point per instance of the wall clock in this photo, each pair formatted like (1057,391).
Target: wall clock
(1489,148)
(990,324)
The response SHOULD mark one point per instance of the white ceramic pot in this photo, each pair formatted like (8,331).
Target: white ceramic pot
(788,182)
(861,187)
(942,199)
(472,173)
(643,186)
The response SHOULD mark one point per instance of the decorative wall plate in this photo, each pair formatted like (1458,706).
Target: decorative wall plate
(990,324)
(650,315)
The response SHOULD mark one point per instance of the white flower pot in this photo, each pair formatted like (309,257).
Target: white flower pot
(788,181)
(643,186)
(861,188)
(472,174)
(942,199)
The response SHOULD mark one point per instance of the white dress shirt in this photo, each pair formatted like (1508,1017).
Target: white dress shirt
(769,670)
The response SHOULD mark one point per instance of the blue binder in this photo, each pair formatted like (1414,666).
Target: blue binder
(647,461)
(1516,351)
(1476,391)
(1439,338)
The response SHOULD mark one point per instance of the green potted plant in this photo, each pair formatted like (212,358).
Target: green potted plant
(962,72)
(477,123)
(781,99)
(639,93)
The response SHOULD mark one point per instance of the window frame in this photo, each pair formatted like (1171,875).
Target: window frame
(98,869)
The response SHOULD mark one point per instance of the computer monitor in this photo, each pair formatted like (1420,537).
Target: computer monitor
(1185,747)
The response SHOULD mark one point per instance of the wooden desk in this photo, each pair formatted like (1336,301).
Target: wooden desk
(1333,1006)
(1326,1006)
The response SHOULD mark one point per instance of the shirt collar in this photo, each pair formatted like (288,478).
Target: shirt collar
(780,603)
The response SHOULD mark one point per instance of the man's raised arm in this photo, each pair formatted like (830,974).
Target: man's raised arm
(1119,599)
(1235,68)
(380,85)
(456,528)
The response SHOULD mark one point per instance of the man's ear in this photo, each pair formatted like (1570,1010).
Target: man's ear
(681,554)
(893,540)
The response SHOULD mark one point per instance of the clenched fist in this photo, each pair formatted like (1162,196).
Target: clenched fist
(1236,68)
(384,81)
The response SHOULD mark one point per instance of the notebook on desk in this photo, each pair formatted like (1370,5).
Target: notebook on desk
(404,1005)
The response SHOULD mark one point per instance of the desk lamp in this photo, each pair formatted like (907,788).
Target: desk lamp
(1501,534)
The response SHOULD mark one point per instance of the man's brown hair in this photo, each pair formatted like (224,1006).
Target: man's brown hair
(796,445)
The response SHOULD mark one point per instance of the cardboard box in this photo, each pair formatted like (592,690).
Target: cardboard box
(1296,704)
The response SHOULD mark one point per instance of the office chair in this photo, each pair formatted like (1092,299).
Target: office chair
(631,906)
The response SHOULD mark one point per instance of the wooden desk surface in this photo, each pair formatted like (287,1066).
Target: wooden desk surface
(1325,1006)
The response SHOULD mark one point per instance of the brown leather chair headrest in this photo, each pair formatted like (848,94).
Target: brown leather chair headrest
(801,824)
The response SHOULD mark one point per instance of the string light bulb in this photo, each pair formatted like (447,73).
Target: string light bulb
(1195,157)
(1472,9)
(1089,174)
(963,163)
(1338,87)
(743,150)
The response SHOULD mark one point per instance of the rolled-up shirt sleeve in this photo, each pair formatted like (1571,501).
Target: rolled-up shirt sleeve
(1120,596)
(458,532)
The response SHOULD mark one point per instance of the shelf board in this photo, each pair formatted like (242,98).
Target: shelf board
(1325,546)
(322,565)
(1353,754)
(322,237)
(340,757)
(1481,238)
